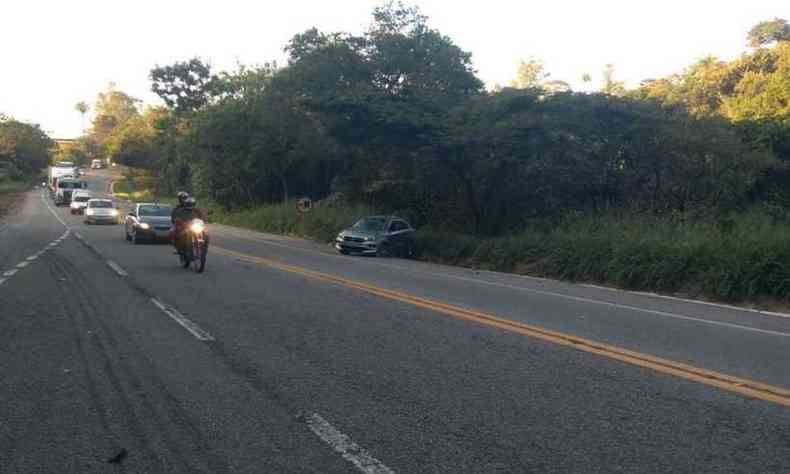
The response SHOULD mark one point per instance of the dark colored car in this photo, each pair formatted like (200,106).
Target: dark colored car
(148,221)
(377,235)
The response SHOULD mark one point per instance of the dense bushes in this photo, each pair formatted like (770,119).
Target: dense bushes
(746,257)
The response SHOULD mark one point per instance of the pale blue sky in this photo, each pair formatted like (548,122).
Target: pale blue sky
(57,52)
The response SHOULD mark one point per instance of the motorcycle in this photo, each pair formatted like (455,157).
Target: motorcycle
(193,255)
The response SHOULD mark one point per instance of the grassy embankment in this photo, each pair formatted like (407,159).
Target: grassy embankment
(9,193)
(746,258)
(743,259)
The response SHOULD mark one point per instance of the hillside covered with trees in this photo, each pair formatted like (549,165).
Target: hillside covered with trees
(396,120)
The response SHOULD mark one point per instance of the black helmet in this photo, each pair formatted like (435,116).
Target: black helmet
(189,202)
(182,197)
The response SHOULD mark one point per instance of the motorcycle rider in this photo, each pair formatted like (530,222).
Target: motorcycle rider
(182,217)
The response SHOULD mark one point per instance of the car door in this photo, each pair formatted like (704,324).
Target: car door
(397,234)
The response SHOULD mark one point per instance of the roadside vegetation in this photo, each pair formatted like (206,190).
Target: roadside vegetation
(680,184)
(24,152)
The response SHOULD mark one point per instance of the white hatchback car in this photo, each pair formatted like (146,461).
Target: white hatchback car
(79,201)
(101,211)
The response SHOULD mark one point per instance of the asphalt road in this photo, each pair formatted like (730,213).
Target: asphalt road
(284,357)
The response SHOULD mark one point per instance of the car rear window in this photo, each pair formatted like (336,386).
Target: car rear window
(370,224)
(157,211)
(82,198)
(100,204)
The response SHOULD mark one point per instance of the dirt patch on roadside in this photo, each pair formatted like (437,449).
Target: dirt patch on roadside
(9,202)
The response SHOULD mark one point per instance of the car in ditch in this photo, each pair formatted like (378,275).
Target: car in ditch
(378,235)
(148,222)
(101,211)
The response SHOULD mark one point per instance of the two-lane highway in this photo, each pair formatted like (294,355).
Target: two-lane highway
(284,357)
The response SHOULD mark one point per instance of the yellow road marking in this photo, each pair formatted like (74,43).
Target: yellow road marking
(744,387)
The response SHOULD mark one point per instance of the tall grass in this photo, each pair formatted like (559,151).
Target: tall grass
(744,258)
(322,223)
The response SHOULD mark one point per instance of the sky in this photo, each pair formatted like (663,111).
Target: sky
(58,52)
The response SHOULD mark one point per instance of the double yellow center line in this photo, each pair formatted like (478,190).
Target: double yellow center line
(744,387)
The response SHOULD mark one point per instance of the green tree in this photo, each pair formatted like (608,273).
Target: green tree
(610,85)
(24,147)
(529,74)
(184,86)
(82,107)
(767,32)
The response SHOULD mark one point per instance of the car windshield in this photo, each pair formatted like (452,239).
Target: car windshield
(68,185)
(82,198)
(100,204)
(157,211)
(370,224)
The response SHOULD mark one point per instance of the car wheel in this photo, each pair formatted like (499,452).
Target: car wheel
(343,251)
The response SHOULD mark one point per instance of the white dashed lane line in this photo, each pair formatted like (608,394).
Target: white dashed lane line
(193,328)
(351,451)
(117,268)
(9,273)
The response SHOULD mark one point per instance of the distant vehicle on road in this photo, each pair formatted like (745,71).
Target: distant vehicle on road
(97,164)
(378,235)
(79,201)
(101,211)
(59,169)
(148,221)
(65,188)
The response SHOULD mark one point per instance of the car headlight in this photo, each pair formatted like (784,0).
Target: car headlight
(89,212)
(144,226)
(114,213)
(197,226)
(369,238)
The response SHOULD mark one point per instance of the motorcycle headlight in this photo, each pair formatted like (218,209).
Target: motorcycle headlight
(144,226)
(197,226)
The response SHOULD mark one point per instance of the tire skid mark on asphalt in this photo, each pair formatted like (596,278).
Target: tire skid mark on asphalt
(126,386)
(740,386)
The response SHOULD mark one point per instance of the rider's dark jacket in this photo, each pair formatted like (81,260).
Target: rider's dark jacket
(185,213)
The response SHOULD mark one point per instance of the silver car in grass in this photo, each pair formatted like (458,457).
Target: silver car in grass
(101,211)
(377,235)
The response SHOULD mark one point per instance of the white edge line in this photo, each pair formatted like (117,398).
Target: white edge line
(341,443)
(10,273)
(2,280)
(117,268)
(31,258)
(22,264)
(193,328)
(44,200)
